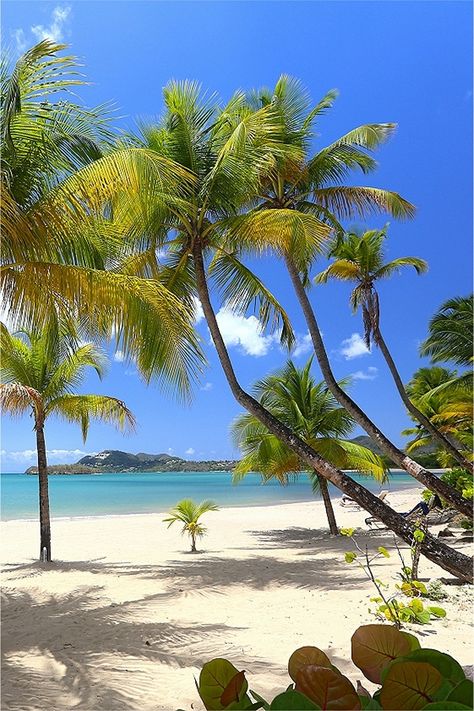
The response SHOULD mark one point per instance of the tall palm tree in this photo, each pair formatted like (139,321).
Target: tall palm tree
(40,374)
(360,259)
(61,235)
(451,334)
(313,186)
(228,151)
(308,409)
(446,400)
(188,513)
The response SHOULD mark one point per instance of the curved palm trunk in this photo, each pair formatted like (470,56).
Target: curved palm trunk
(323,486)
(45,523)
(427,424)
(451,560)
(425,477)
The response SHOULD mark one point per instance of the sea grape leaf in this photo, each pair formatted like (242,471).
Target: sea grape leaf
(448,667)
(409,685)
(232,691)
(369,704)
(437,611)
(304,656)
(383,551)
(214,678)
(463,693)
(414,643)
(292,701)
(373,647)
(327,688)
(350,556)
(259,699)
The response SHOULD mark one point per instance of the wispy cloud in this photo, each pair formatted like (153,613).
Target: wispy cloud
(353,347)
(198,312)
(244,332)
(190,451)
(370,374)
(303,345)
(54,31)
(61,456)
(119,356)
(207,386)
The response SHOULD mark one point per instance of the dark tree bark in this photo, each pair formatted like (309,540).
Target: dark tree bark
(45,523)
(417,414)
(323,486)
(425,477)
(451,560)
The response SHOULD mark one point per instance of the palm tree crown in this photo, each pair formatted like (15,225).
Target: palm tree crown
(308,409)
(188,513)
(360,259)
(40,373)
(451,332)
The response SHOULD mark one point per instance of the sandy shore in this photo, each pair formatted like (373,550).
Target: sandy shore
(126,616)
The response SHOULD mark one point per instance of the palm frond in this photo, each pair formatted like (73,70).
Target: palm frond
(81,409)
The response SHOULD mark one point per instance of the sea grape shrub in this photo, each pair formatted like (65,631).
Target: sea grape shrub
(408,677)
(459,479)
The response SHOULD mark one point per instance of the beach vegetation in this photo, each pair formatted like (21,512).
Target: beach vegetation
(189,513)
(450,333)
(308,408)
(40,375)
(407,676)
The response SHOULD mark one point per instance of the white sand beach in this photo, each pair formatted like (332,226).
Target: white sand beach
(125,616)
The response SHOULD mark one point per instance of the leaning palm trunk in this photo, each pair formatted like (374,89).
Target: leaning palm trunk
(323,486)
(447,558)
(425,477)
(425,421)
(45,523)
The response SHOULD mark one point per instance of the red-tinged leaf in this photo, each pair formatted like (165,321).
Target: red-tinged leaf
(375,646)
(328,689)
(305,656)
(232,691)
(409,685)
(213,681)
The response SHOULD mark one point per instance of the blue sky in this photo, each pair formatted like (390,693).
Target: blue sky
(407,62)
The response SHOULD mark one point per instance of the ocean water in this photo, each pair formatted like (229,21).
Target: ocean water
(107,494)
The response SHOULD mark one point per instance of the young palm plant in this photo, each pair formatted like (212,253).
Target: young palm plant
(228,151)
(188,513)
(446,400)
(310,410)
(360,259)
(40,374)
(293,192)
(61,236)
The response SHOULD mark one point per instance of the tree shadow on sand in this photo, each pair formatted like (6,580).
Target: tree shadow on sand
(100,652)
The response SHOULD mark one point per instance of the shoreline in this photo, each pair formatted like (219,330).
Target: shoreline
(290,502)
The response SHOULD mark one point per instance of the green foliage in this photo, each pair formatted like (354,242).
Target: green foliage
(188,513)
(451,333)
(390,607)
(459,479)
(408,677)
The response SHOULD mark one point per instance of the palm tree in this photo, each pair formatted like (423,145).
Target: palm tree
(61,234)
(451,332)
(189,513)
(446,400)
(40,374)
(228,151)
(308,409)
(295,191)
(360,259)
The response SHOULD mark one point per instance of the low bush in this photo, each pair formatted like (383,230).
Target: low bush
(408,677)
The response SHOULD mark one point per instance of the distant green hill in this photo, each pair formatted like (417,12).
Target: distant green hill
(113,460)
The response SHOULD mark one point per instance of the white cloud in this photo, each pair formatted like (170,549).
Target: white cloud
(198,312)
(54,32)
(303,345)
(190,450)
(54,455)
(370,374)
(207,386)
(354,347)
(119,356)
(245,332)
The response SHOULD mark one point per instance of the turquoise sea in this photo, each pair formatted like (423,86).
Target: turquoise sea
(106,494)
